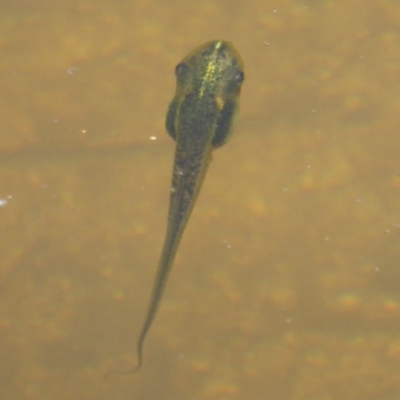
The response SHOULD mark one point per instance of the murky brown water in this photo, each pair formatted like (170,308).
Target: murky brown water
(286,285)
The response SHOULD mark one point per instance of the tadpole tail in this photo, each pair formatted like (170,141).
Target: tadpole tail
(127,371)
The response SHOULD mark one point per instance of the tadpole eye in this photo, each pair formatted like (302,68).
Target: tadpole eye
(181,70)
(239,77)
